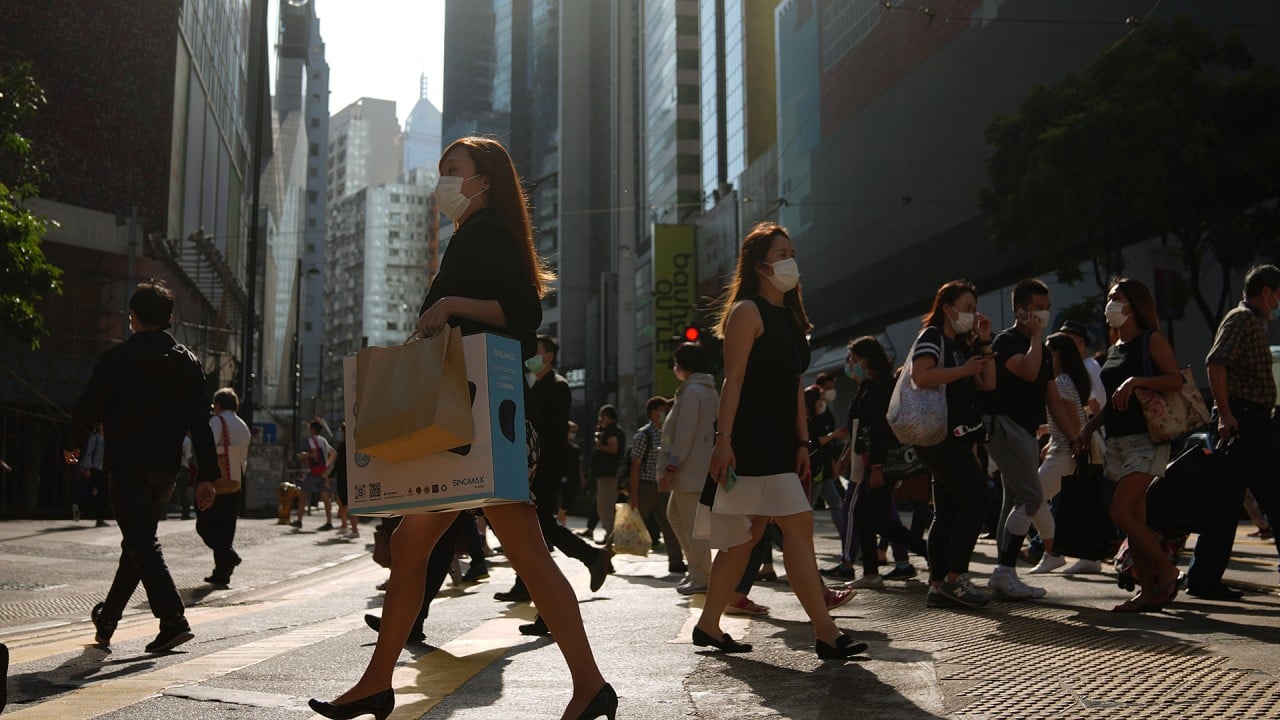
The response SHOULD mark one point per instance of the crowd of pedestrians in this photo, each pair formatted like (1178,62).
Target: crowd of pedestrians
(723,475)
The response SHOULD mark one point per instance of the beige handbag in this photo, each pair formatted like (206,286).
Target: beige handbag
(412,400)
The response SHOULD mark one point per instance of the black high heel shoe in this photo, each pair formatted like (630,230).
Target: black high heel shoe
(725,644)
(845,648)
(379,705)
(604,703)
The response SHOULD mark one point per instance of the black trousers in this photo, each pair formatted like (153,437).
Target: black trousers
(217,528)
(872,514)
(545,491)
(440,560)
(960,495)
(139,497)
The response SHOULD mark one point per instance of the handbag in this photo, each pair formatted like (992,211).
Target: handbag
(1174,413)
(1084,528)
(412,400)
(917,416)
(225,484)
(900,463)
(630,536)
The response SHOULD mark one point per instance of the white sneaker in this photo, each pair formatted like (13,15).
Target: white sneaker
(1048,563)
(1006,582)
(872,581)
(1083,567)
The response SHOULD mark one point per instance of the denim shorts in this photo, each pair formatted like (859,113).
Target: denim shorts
(1135,454)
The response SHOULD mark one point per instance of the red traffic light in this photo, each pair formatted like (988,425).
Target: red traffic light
(692,333)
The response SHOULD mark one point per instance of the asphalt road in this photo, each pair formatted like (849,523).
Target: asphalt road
(291,627)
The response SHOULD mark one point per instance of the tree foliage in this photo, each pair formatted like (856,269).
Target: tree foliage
(1170,133)
(26,276)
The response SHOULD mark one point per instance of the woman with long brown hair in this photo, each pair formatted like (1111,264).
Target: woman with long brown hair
(761,455)
(1140,358)
(491,279)
(954,350)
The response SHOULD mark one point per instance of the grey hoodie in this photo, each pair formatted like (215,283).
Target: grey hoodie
(689,433)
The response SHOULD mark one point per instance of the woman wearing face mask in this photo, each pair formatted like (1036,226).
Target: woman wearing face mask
(872,513)
(1141,358)
(761,455)
(490,279)
(954,350)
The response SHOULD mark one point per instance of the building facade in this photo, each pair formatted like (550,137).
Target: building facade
(379,240)
(422,132)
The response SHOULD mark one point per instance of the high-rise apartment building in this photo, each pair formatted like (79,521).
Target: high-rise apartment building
(422,132)
(373,276)
(364,148)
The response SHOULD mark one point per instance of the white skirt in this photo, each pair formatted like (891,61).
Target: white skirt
(729,522)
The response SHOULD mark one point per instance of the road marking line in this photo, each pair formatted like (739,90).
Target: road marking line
(99,699)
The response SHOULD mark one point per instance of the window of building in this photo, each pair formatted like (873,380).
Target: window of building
(844,25)
(315,122)
(312,196)
(315,150)
(395,197)
(311,247)
(392,325)
(311,222)
(307,326)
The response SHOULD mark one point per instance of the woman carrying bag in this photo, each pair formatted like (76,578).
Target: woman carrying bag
(491,279)
(761,457)
(1141,358)
(954,351)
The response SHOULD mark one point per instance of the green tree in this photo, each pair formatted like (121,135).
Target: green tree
(26,277)
(1170,133)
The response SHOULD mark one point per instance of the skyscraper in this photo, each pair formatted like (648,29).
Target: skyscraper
(422,132)
(364,147)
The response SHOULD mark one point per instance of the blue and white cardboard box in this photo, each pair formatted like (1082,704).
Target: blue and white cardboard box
(492,469)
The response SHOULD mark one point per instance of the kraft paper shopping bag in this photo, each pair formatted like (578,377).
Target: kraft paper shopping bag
(412,400)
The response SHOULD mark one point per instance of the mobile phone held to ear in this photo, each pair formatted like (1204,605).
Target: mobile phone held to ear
(730,478)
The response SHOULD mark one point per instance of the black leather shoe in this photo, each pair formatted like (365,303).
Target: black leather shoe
(604,703)
(103,629)
(725,644)
(537,628)
(601,568)
(845,647)
(416,635)
(1216,592)
(172,634)
(515,595)
(378,705)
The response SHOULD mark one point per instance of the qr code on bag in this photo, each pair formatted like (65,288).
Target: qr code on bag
(375,491)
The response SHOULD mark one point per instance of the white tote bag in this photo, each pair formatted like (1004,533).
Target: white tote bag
(917,416)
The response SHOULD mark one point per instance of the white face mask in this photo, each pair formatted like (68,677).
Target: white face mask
(819,407)
(786,274)
(829,395)
(449,197)
(963,322)
(1042,317)
(1115,314)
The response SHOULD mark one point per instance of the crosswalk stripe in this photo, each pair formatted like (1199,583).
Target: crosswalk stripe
(98,699)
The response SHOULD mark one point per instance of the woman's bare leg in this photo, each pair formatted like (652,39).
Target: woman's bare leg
(516,526)
(411,544)
(802,567)
(1129,512)
(726,571)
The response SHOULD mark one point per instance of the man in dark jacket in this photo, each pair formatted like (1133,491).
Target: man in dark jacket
(549,403)
(148,392)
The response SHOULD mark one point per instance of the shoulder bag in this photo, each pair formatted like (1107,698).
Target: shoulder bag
(1171,414)
(917,416)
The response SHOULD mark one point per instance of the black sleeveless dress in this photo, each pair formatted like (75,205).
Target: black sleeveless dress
(764,429)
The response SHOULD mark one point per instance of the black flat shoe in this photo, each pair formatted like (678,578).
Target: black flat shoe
(725,644)
(601,568)
(416,635)
(604,703)
(537,628)
(846,647)
(378,705)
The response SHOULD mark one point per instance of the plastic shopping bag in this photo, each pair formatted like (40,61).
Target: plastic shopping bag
(630,536)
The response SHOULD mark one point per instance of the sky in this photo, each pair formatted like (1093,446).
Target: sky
(378,48)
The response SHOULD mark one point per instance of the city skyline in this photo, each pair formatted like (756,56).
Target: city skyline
(375,50)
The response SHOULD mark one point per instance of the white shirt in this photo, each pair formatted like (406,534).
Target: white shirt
(238,434)
(1097,391)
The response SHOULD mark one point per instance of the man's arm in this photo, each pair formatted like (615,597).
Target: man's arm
(92,405)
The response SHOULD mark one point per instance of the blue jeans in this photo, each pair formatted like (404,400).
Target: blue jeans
(139,497)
